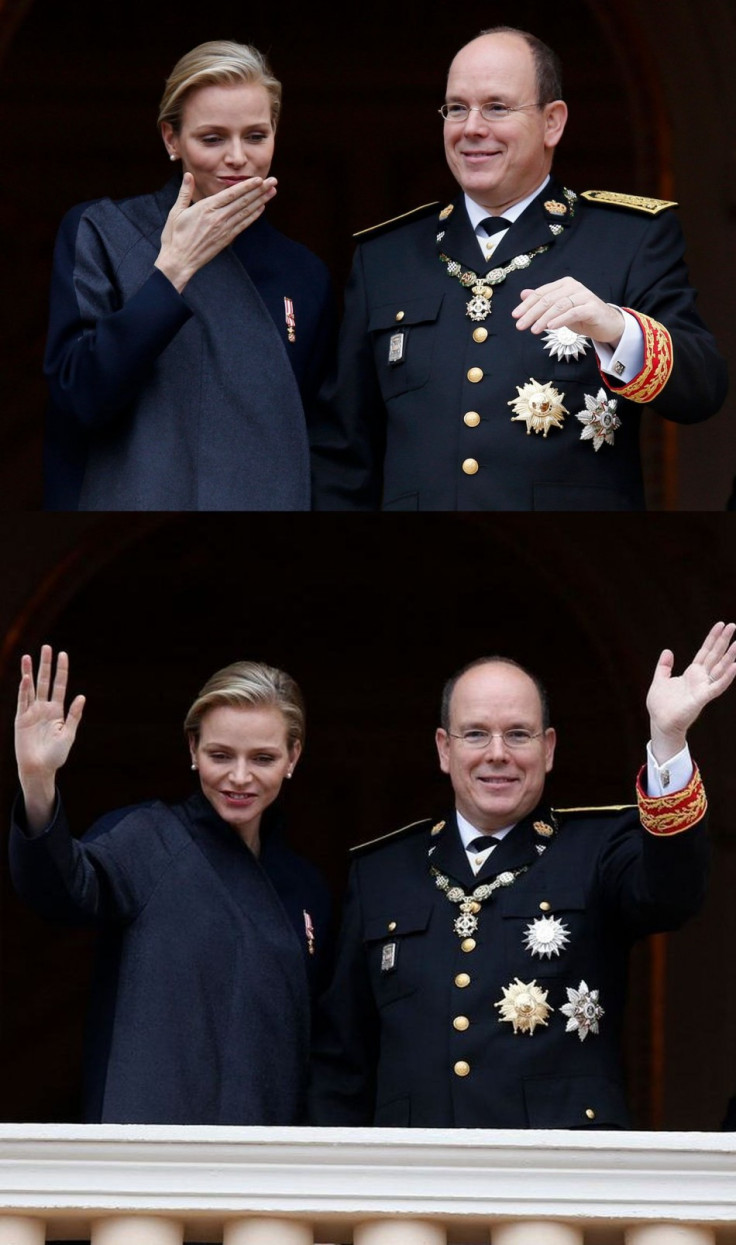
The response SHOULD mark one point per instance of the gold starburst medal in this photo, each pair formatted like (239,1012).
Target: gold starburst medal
(538,406)
(524,1005)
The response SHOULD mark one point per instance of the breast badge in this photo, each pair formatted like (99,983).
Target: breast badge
(539,406)
(546,936)
(600,419)
(524,1005)
(565,343)
(583,1009)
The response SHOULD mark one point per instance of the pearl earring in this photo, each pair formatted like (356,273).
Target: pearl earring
(172,155)
(194,765)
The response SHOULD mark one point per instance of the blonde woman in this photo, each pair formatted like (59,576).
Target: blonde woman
(187,335)
(212,931)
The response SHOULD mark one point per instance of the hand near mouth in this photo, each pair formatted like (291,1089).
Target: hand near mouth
(195,232)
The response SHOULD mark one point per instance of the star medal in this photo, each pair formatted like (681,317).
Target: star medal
(600,419)
(538,406)
(524,1005)
(546,937)
(565,343)
(583,1009)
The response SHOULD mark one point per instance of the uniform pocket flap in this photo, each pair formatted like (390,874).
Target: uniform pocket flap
(396,924)
(575,1102)
(549,902)
(405,312)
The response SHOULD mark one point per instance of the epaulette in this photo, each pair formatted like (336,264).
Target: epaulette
(395,834)
(385,225)
(594,808)
(637,203)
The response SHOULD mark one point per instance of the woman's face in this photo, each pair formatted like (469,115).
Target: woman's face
(226,135)
(243,757)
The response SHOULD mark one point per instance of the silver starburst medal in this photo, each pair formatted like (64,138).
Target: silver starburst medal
(546,937)
(583,1009)
(565,343)
(600,419)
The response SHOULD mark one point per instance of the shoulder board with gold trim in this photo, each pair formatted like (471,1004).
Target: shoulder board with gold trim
(637,203)
(395,834)
(594,808)
(385,225)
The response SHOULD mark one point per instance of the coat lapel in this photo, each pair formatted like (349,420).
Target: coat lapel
(532,229)
(518,849)
(459,241)
(450,856)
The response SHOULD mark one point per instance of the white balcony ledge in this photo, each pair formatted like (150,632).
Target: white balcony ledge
(66,1176)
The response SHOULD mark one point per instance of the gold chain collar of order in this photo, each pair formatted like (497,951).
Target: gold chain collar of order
(466,923)
(479,306)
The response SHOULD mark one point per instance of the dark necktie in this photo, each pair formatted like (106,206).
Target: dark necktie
(481,844)
(495,224)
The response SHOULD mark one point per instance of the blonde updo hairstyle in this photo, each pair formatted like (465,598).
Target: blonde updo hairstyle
(218,63)
(249,685)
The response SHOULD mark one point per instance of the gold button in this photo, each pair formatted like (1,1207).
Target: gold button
(480,335)
(462,1068)
(391,927)
(461,1023)
(470,466)
(468,944)
(400,315)
(545,907)
(471,418)
(475,374)
(590,1113)
(462,980)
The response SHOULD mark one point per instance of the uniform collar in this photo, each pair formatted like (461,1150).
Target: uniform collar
(532,229)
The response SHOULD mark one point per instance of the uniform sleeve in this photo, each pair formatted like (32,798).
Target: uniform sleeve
(684,377)
(345,1048)
(101,349)
(653,883)
(347,428)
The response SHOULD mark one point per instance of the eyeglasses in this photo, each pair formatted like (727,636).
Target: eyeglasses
(515,738)
(489,112)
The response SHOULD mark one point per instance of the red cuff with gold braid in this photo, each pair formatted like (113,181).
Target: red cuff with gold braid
(658,360)
(671,814)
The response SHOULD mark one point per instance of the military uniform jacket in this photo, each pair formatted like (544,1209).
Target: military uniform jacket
(412,1037)
(403,427)
(168,401)
(200,1007)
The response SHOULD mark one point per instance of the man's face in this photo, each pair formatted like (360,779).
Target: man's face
(498,163)
(496,786)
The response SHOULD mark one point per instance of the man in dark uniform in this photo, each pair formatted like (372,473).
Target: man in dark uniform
(481,969)
(495,353)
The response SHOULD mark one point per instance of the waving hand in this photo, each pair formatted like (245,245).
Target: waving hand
(675,701)
(44,732)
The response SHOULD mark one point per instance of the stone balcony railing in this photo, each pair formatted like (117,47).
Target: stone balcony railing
(161,1185)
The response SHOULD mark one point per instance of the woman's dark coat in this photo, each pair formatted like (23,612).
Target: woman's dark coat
(201,1003)
(168,401)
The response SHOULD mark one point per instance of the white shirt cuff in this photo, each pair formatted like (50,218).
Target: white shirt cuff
(627,360)
(672,776)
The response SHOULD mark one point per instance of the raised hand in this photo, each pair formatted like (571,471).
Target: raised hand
(675,701)
(567,303)
(195,232)
(44,732)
